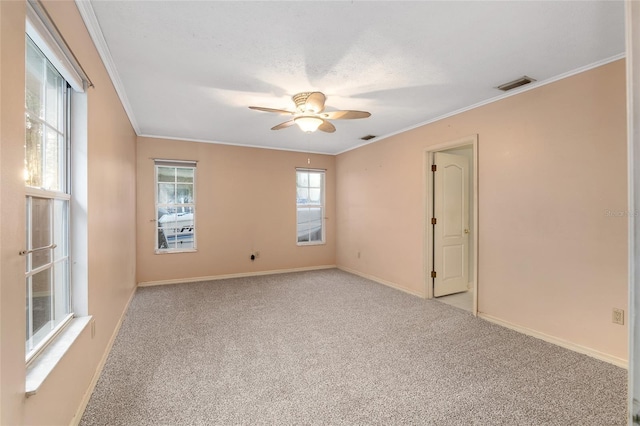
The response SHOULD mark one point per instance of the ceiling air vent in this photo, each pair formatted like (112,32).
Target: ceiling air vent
(516,83)
(367,138)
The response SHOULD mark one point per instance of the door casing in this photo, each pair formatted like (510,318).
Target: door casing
(472,141)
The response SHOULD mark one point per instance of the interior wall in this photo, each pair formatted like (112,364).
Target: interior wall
(12,213)
(552,207)
(245,202)
(111,230)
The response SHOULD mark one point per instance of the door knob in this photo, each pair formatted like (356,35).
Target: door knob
(466,231)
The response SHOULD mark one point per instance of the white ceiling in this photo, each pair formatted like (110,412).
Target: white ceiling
(189,69)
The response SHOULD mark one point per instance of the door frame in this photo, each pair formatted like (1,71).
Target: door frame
(632,18)
(429,152)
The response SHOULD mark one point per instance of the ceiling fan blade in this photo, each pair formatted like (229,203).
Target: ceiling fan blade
(345,115)
(327,127)
(283,125)
(277,111)
(315,102)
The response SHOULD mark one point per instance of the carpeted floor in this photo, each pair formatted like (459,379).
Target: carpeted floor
(328,347)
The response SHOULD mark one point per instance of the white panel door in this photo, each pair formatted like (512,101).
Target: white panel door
(451,232)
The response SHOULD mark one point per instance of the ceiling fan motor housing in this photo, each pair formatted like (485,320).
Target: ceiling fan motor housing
(300,99)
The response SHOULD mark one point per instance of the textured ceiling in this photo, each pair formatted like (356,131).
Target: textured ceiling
(189,70)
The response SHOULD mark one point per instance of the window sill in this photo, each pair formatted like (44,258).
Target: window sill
(176,251)
(318,243)
(43,365)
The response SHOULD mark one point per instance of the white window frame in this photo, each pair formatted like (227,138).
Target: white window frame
(36,342)
(320,205)
(184,164)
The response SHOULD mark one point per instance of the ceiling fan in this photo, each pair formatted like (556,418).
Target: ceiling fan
(309,114)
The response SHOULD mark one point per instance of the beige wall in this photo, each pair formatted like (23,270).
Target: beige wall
(12,224)
(111,228)
(245,202)
(552,161)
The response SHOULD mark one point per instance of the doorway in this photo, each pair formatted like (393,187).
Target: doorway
(451,223)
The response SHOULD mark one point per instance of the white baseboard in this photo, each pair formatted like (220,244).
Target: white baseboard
(94,380)
(381,281)
(558,341)
(239,275)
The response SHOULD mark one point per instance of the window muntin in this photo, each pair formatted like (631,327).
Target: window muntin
(310,206)
(47,278)
(175,207)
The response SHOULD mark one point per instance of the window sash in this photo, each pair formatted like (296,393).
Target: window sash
(54,272)
(51,169)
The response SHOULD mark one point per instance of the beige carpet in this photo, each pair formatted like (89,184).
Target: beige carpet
(327,347)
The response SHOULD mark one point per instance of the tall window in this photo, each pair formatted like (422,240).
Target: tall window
(48,302)
(175,206)
(310,206)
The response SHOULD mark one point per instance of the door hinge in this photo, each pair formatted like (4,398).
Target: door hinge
(434,168)
(433,274)
(434,220)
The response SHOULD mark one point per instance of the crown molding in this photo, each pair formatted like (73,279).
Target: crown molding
(93,27)
(513,92)
(239,145)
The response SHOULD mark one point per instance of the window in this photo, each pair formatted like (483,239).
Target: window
(48,301)
(175,206)
(310,206)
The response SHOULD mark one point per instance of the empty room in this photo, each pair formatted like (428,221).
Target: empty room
(346,212)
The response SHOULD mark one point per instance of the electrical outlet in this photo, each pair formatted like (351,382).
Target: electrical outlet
(358,255)
(618,316)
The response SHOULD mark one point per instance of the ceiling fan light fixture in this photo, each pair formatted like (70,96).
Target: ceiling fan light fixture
(308,124)
(309,115)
